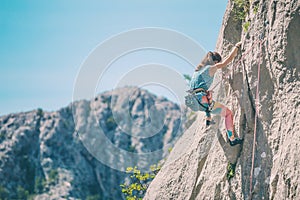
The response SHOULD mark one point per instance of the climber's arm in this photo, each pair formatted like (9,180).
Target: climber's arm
(226,61)
(229,58)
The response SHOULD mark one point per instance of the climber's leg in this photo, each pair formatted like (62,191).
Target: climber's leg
(204,101)
(220,109)
(225,112)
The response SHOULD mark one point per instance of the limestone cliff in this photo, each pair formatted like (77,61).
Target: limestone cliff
(196,168)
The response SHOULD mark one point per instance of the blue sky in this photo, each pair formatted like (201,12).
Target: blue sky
(44,43)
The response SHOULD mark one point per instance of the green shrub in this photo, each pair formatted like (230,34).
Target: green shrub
(111,123)
(28,167)
(255,9)
(53,177)
(40,112)
(39,185)
(31,197)
(2,135)
(246,26)
(139,182)
(3,193)
(230,171)
(241,9)
(22,193)
(187,77)
(132,149)
(93,197)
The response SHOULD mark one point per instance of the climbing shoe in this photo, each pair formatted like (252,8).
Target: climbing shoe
(236,141)
(209,122)
(230,171)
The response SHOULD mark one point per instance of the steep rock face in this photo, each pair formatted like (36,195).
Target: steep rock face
(202,174)
(45,154)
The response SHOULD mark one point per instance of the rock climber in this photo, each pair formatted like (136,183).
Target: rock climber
(199,86)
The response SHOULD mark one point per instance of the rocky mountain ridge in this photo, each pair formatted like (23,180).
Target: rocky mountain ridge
(46,155)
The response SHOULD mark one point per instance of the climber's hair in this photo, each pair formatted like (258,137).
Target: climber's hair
(216,57)
(209,59)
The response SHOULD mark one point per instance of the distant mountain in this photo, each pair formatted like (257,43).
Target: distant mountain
(55,155)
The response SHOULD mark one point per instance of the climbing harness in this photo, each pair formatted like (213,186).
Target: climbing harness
(256,116)
(192,101)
